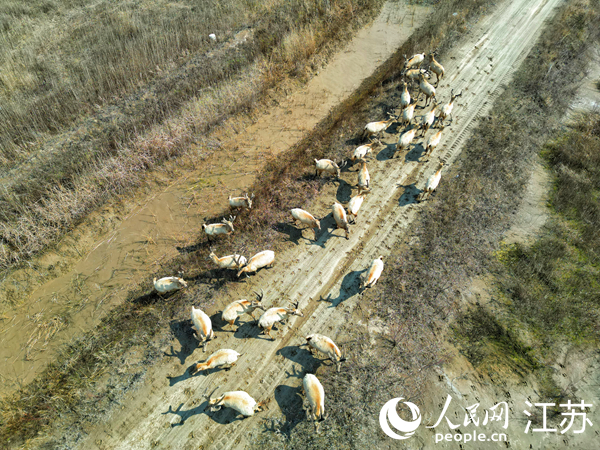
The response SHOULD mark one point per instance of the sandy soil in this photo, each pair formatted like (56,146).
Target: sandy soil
(167,411)
(86,275)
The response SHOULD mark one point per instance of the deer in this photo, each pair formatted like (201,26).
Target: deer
(325,345)
(258,261)
(432,184)
(362,151)
(202,327)
(227,262)
(223,357)
(414,60)
(168,284)
(327,166)
(364,179)
(341,221)
(374,273)
(427,89)
(427,120)
(241,307)
(413,74)
(406,139)
(241,202)
(376,128)
(408,113)
(436,68)
(354,205)
(432,143)
(306,218)
(446,110)
(225,227)
(239,401)
(405,96)
(314,393)
(273,315)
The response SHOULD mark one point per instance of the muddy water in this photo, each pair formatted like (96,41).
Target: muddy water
(138,242)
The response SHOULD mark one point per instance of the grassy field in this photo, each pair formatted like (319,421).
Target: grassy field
(557,278)
(96,94)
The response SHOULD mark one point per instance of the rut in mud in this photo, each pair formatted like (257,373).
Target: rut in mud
(171,414)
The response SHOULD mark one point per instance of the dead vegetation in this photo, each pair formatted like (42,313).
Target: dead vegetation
(97,96)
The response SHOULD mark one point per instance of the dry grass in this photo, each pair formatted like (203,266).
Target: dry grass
(118,117)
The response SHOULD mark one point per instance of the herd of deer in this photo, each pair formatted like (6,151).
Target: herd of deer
(241,401)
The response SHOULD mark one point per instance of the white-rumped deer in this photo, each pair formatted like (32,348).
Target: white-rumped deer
(446,110)
(427,89)
(315,394)
(432,143)
(223,357)
(436,68)
(239,401)
(202,327)
(432,184)
(374,273)
(273,315)
(414,60)
(326,346)
(241,202)
(354,205)
(306,218)
(227,262)
(327,166)
(214,229)
(364,179)
(167,284)
(376,128)
(341,221)
(241,307)
(258,261)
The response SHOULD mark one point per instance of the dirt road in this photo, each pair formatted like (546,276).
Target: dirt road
(167,411)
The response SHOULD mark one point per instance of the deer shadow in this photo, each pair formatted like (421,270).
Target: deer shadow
(290,404)
(191,248)
(386,153)
(415,153)
(248,329)
(294,234)
(184,376)
(186,414)
(344,192)
(410,194)
(224,416)
(183,332)
(350,287)
(299,355)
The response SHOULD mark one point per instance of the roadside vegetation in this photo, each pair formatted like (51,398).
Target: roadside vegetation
(556,280)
